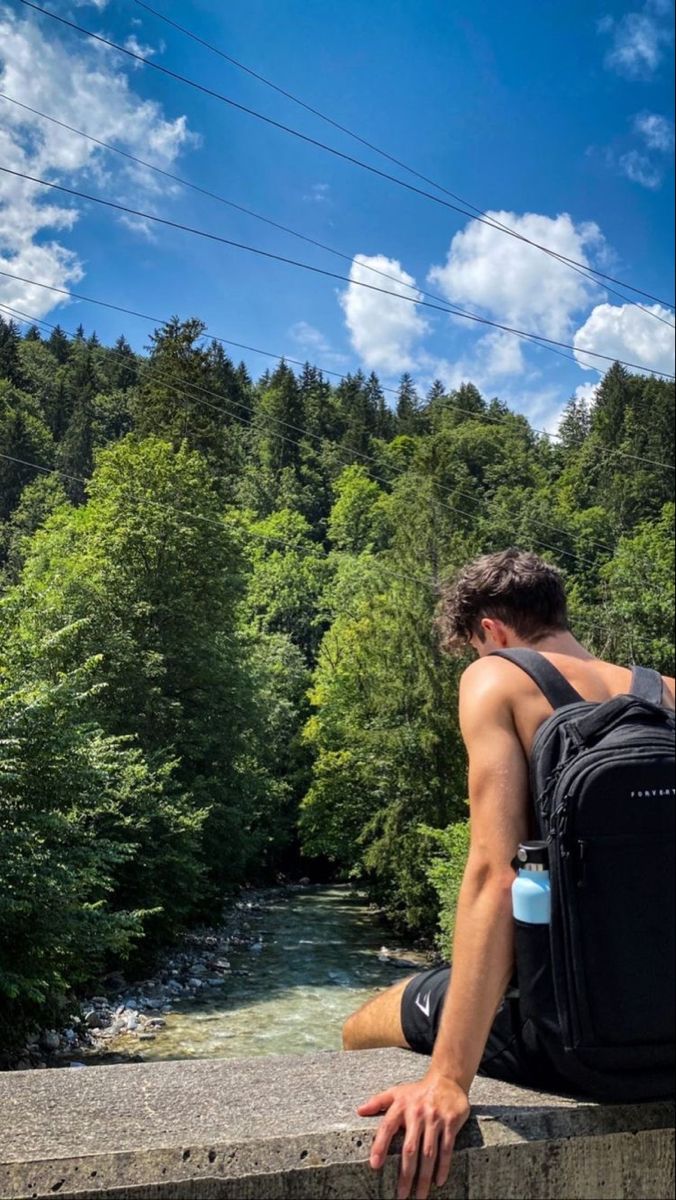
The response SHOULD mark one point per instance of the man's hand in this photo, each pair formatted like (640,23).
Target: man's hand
(431,1113)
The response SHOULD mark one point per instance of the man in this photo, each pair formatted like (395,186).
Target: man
(467,1022)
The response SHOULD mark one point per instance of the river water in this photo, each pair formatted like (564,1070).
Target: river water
(318,954)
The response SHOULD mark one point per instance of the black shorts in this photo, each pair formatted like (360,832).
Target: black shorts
(506,1055)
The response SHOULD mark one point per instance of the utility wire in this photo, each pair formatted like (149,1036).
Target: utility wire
(581,269)
(331,149)
(196,516)
(498,420)
(214,237)
(454,508)
(182,512)
(267,220)
(181,389)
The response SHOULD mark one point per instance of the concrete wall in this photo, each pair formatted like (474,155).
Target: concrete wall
(282,1128)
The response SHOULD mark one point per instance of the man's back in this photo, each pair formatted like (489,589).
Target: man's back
(592,678)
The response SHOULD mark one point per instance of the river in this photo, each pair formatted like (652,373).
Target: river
(317,954)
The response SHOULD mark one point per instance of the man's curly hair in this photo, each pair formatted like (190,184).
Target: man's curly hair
(513,586)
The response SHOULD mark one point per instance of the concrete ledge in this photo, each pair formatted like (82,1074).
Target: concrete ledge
(285,1128)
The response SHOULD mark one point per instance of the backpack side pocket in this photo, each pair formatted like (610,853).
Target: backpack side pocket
(537,1003)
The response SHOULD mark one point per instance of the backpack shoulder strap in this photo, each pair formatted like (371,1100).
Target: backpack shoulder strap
(646,684)
(554,687)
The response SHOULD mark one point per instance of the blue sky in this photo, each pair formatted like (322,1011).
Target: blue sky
(558,118)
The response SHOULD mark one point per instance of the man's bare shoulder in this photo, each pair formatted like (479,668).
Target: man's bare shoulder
(490,675)
(490,686)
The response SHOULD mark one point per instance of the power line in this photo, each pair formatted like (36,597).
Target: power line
(181,388)
(255,533)
(498,420)
(331,149)
(582,269)
(406,578)
(214,237)
(243,345)
(184,386)
(259,217)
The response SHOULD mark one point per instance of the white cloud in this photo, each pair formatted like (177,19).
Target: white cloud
(99,100)
(136,47)
(638,39)
(495,358)
(383,330)
(586,392)
(657,131)
(640,169)
(627,332)
(501,354)
(320,193)
(309,338)
(312,341)
(644,164)
(514,282)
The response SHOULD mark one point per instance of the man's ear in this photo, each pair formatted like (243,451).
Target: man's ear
(496,630)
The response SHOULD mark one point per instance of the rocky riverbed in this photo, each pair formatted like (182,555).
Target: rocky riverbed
(123,1016)
(279,974)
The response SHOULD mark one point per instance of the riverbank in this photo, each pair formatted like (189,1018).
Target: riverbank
(136,1010)
(279,973)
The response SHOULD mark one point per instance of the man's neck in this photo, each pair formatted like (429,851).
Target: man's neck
(555,643)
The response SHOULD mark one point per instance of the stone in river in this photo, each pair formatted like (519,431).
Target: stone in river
(94,1019)
(146,1037)
(50,1040)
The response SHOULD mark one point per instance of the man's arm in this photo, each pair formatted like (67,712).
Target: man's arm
(433,1110)
(483,948)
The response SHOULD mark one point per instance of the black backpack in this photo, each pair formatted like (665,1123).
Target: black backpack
(597,990)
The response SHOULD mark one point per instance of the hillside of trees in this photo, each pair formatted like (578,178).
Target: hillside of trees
(217,658)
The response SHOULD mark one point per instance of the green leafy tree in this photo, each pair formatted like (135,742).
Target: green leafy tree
(288,577)
(153,574)
(79,820)
(359,518)
(638,617)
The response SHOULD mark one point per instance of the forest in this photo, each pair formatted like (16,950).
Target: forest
(217,651)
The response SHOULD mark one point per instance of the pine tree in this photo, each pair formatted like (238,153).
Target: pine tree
(383,419)
(24,439)
(408,407)
(10,359)
(435,401)
(59,344)
(122,365)
(575,425)
(278,418)
(174,399)
(75,455)
(358,407)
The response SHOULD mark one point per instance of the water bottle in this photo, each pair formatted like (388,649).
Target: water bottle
(531,891)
